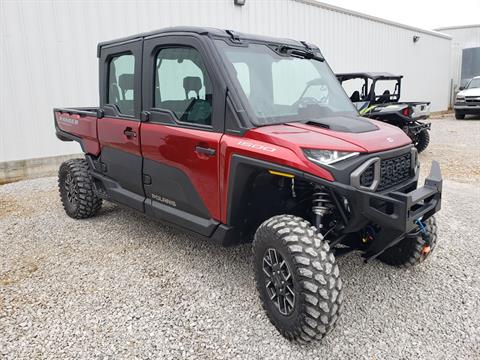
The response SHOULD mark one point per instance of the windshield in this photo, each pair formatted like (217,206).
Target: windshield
(474,84)
(283,88)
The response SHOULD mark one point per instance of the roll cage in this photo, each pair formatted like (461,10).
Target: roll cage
(370,81)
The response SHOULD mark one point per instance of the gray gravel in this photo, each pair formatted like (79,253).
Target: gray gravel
(120,285)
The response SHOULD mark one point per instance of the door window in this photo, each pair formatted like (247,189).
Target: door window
(182,85)
(121,91)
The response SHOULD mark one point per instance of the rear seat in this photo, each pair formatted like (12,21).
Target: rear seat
(126,83)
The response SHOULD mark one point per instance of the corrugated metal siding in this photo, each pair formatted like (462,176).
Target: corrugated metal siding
(465,36)
(48,55)
(462,38)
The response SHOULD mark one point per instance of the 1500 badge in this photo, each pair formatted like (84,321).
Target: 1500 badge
(256,146)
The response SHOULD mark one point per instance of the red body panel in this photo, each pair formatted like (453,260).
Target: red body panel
(291,157)
(84,127)
(282,145)
(175,146)
(111,134)
(294,135)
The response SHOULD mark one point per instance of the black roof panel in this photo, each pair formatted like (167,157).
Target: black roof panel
(370,75)
(202,31)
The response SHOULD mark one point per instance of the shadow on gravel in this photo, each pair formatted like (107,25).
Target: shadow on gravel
(198,254)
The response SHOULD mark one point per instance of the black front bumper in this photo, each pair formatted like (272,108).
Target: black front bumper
(400,208)
(395,211)
(469,107)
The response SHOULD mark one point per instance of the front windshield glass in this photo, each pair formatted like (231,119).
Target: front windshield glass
(474,84)
(283,88)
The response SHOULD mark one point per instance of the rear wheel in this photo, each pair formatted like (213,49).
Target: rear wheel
(297,278)
(459,115)
(76,190)
(422,140)
(413,250)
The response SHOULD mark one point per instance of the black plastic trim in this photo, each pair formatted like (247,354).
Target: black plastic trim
(172,185)
(184,219)
(125,168)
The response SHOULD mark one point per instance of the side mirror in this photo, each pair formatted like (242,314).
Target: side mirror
(461,88)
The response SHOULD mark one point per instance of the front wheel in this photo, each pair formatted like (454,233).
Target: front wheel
(459,115)
(413,250)
(422,140)
(297,278)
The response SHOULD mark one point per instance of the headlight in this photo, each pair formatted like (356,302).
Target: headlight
(460,98)
(327,157)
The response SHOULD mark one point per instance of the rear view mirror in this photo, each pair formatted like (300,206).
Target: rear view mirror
(461,88)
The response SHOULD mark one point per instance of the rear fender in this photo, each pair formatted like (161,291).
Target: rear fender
(79,126)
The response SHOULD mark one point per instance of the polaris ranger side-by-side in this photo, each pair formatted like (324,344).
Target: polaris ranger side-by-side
(238,137)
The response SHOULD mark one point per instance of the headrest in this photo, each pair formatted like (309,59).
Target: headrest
(192,83)
(126,82)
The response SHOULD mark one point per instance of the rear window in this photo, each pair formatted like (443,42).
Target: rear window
(121,80)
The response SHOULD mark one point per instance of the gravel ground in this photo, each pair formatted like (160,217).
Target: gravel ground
(120,285)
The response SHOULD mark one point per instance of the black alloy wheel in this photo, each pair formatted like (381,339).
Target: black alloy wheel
(278,281)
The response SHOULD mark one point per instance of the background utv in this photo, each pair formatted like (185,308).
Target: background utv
(238,137)
(377,96)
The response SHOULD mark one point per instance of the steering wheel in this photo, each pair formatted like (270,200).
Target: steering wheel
(308,100)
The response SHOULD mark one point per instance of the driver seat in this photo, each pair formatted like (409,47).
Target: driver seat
(385,98)
(355,96)
(192,83)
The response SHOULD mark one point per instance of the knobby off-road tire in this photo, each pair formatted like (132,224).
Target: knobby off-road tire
(76,190)
(314,278)
(459,115)
(412,251)
(422,140)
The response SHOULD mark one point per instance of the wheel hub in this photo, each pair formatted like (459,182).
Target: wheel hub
(278,281)
(70,189)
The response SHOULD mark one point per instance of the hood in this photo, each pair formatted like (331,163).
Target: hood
(318,136)
(470,92)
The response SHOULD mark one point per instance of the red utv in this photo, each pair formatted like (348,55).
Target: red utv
(241,138)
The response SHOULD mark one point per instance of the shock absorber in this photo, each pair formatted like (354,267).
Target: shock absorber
(321,206)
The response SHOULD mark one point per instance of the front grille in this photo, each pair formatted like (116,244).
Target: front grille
(367,177)
(392,172)
(472,98)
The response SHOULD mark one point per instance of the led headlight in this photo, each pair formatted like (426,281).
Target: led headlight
(460,98)
(327,157)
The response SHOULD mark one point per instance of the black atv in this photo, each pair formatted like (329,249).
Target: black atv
(377,95)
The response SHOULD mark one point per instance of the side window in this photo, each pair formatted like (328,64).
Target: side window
(182,85)
(121,83)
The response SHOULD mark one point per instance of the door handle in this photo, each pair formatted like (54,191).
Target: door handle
(129,133)
(205,150)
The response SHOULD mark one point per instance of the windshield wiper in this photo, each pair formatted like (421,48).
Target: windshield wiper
(300,53)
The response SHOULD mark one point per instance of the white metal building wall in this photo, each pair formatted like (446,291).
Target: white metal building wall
(463,37)
(48,52)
